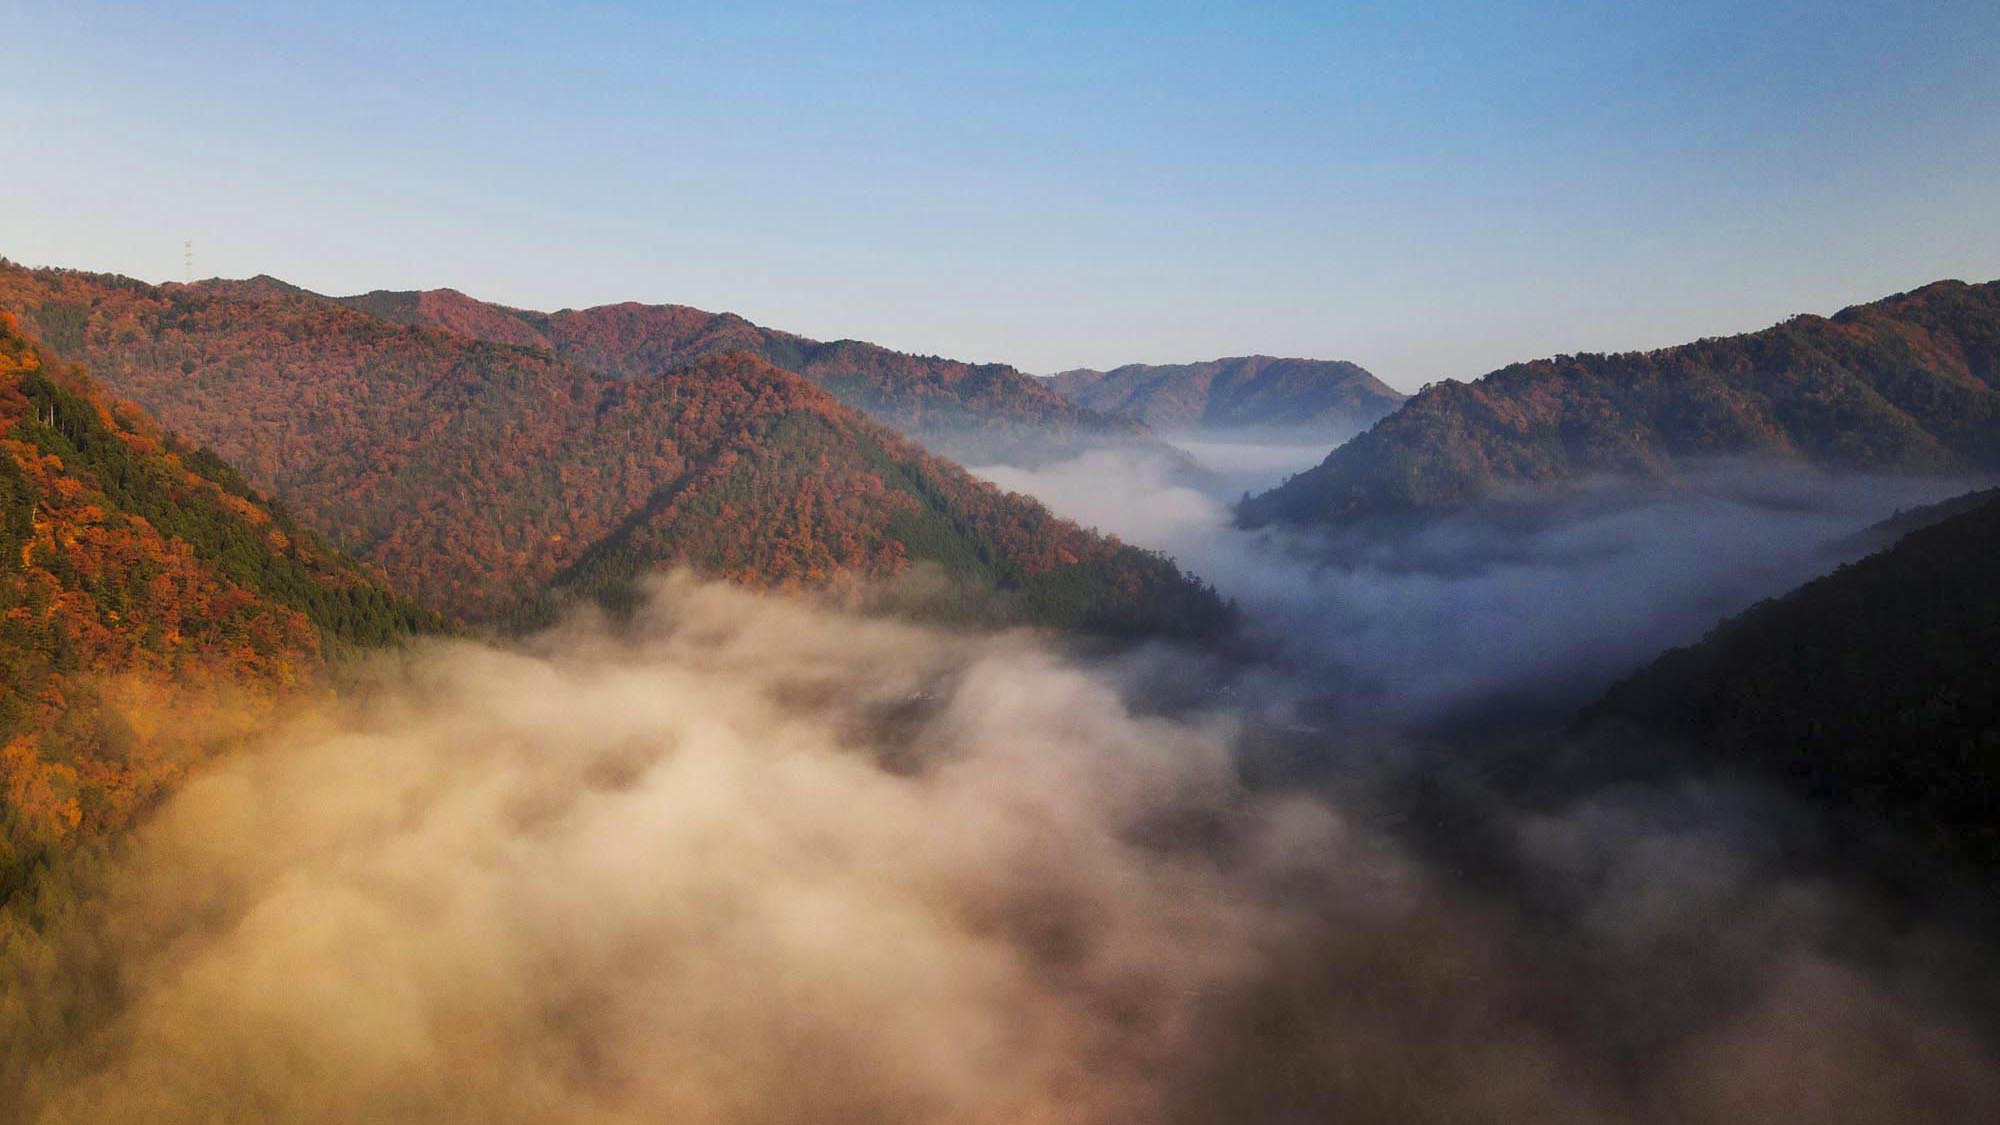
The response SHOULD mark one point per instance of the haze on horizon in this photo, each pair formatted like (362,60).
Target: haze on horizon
(1431,193)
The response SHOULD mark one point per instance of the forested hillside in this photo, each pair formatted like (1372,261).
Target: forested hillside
(1876,688)
(482,477)
(1908,383)
(1244,393)
(969,411)
(148,601)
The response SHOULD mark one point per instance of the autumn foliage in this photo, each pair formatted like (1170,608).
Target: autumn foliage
(1911,383)
(969,410)
(145,594)
(485,477)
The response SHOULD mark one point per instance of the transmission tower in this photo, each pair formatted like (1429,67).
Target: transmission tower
(187,260)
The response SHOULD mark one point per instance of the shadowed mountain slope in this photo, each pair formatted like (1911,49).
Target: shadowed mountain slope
(1875,688)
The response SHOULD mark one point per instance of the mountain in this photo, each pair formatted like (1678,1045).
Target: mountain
(1908,383)
(1330,398)
(1875,688)
(490,479)
(974,412)
(1887,533)
(145,593)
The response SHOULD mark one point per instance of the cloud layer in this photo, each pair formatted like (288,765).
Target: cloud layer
(746,860)
(1542,598)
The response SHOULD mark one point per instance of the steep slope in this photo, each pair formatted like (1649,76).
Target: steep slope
(1257,392)
(1911,383)
(974,412)
(481,476)
(146,594)
(1889,532)
(1876,688)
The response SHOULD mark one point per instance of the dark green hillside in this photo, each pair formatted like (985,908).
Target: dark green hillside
(1876,688)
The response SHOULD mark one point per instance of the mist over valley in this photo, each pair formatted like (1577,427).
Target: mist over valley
(964,564)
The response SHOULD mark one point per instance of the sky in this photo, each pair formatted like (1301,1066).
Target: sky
(1429,190)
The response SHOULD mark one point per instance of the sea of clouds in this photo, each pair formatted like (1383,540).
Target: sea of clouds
(748,859)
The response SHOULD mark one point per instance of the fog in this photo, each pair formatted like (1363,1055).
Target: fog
(744,859)
(1533,603)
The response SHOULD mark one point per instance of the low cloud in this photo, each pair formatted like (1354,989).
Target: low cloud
(1539,600)
(745,860)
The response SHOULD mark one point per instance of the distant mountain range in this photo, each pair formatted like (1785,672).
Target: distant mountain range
(1329,399)
(972,412)
(1875,689)
(491,479)
(1908,383)
(148,600)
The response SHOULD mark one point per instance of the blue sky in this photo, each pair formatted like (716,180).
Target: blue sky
(1430,190)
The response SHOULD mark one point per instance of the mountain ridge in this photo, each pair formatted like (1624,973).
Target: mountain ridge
(1237,393)
(480,475)
(1907,383)
(970,411)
